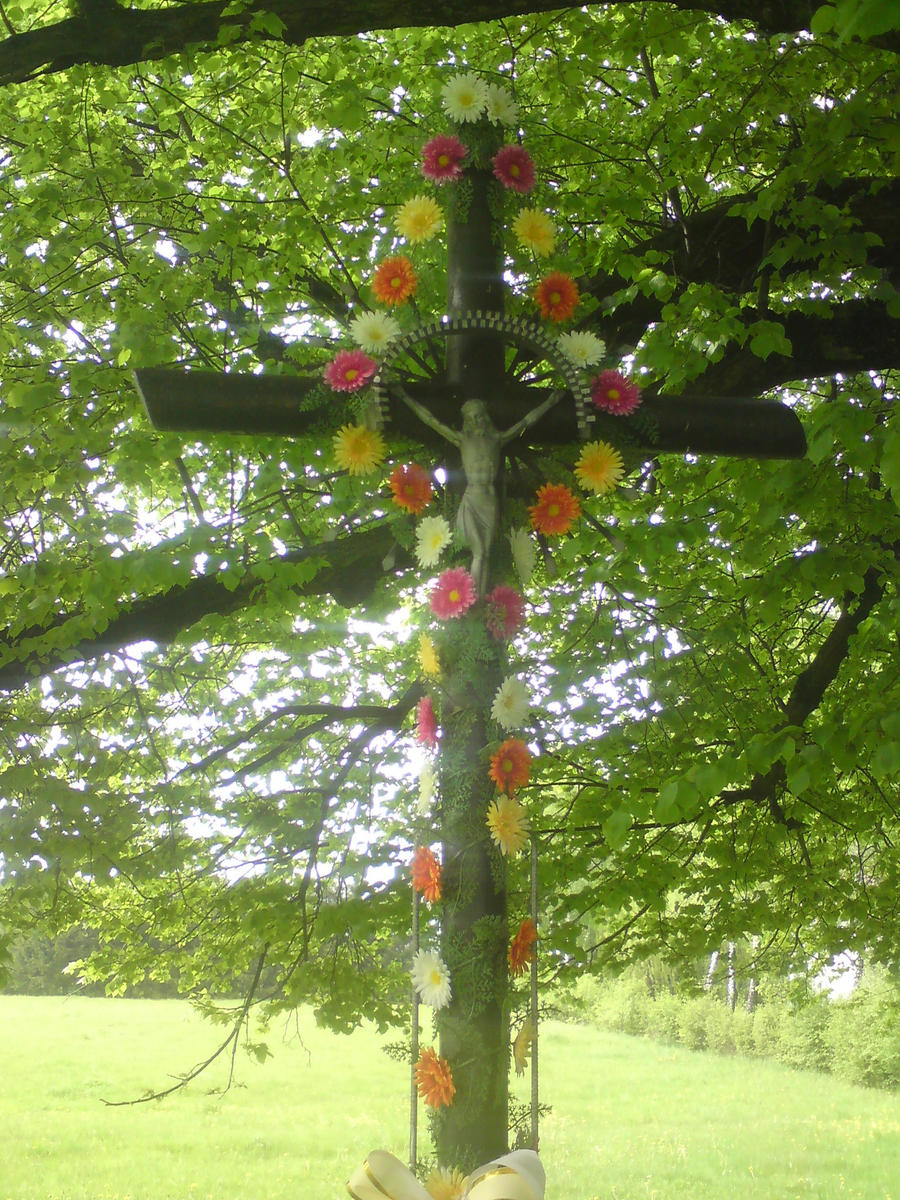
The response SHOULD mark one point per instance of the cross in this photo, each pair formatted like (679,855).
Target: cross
(477,409)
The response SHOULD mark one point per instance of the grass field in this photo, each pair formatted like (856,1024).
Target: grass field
(631,1120)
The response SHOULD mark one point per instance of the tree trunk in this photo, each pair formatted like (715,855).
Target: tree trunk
(474,1027)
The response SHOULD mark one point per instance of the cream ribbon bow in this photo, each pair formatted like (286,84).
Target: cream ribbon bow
(515,1176)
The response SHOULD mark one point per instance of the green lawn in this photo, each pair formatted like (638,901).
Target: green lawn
(631,1120)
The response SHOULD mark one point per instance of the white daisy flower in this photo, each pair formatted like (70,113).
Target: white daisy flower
(523,552)
(464,97)
(372,331)
(500,106)
(511,704)
(432,535)
(426,790)
(431,979)
(582,349)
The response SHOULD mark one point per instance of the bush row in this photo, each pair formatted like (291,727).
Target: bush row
(857,1039)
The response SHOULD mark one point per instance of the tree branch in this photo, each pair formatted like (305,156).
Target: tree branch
(105,34)
(351,569)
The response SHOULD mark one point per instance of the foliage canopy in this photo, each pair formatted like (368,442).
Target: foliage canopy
(208,670)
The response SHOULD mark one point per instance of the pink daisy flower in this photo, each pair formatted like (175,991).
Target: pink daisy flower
(350,370)
(453,593)
(426,722)
(442,158)
(505,611)
(514,167)
(614,393)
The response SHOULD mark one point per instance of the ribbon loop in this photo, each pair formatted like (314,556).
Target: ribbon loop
(384,1177)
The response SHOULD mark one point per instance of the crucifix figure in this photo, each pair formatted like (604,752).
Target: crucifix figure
(480,445)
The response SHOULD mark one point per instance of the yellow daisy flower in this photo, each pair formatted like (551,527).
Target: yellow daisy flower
(419,219)
(508,824)
(428,659)
(522,1046)
(535,231)
(445,1183)
(358,450)
(600,467)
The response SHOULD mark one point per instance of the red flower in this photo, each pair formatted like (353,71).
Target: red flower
(350,370)
(434,1081)
(453,593)
(426,722)
(613,393)
(557,296)
(521,948)
(556,509)
(511,766)
(442,158)
(411,487)
(505,611)
(514,167)
(426,874)
(394,280)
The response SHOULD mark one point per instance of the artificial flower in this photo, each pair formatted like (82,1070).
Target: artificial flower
(499,106)
(464,97)
(522,1045)
(425,871)
(514,167)
(511,766)
(419,219)
(426,789)
(358,449)
(432,536)
(556,509)
(507,823)
(581,348)
(350,370)
(613,393)
(453,593)
(411,487)
(428,659)
(426,722)
(394,280)
(431,978)
(557,296)
(511,703)
(535,231)
(599,467)
(434,1081)
(505,611)
(524,554)
(442,158)
(446,1183)
(372,331)
(521,948)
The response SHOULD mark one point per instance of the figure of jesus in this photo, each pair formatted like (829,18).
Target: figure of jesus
(481,445)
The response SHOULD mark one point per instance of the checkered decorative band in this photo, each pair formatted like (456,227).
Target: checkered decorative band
(514,328)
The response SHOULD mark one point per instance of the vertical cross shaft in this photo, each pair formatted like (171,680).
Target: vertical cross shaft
(474,1028)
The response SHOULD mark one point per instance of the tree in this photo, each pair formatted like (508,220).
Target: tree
(202,741)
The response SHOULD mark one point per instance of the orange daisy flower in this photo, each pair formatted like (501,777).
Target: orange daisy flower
(434,1081)
(411,487)
(394,280)
(426,874)
(521,948)
(557,296)
(556,509)
(511,766)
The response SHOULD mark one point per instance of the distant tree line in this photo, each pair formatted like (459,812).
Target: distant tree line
(724,1007)
(40,965)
